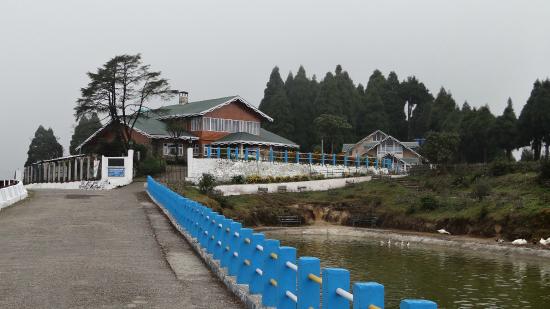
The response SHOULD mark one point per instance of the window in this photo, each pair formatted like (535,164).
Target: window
(172,149)
(225,125)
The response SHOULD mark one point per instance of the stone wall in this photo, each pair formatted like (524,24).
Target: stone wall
(224,170)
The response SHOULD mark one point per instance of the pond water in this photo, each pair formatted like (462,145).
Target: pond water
(453,278)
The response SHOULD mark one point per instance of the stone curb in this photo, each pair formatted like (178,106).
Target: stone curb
(240,290)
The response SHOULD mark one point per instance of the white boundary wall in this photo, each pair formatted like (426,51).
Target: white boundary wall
(298,186)
(105,183)
(224,170)
(12,194)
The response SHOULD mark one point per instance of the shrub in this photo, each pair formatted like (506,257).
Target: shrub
(544,172)
(238,179)
(481,189)
(428,202)
(501,167)
(151,166)
(207,183)
(253,179)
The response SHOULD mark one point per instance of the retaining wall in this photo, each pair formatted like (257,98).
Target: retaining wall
(12,194)
(298,186)
(224,169)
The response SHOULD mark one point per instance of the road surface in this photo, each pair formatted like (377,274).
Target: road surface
(100,249)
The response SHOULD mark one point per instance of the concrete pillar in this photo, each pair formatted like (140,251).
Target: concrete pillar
(81,164)
(75,174)
(88,168)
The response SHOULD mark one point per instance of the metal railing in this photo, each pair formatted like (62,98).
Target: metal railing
(293,156)
(267,267)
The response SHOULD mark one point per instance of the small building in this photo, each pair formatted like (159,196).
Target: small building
(222,122)
(382,146)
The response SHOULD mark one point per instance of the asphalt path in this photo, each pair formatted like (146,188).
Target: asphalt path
(100,249)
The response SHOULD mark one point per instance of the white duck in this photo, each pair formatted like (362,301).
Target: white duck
(520,241)
(443,231)
(544,242)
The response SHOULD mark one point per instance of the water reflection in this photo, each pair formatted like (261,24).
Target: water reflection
(452,278)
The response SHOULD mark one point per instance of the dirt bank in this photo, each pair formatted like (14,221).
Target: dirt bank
(449,241)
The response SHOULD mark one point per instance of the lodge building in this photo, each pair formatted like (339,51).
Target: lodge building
(222,122)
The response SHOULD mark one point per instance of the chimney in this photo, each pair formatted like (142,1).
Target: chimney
(183,97)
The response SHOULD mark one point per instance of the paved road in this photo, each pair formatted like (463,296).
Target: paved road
(94,249)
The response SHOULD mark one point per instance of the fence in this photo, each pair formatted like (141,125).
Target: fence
(286,156)
(66,169)
(268,268)
(11,191)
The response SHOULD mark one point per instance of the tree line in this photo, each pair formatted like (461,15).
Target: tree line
(338,111)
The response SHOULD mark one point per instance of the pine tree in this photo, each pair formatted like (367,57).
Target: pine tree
(371,114)
(84,129)
(476,141)
(419,101)
(534,119)
(505,130)
(275,103)
(43,146)
(444,107)
(394,108)
(301,93)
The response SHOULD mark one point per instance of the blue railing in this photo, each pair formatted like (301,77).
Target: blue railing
(267,267)
(286,156)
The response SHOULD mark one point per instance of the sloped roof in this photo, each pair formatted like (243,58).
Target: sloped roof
(395,140)
(265,138)
(347,147)
(148,125)
(411,144)
(198,108)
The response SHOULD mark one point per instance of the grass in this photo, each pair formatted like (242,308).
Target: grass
(516,205)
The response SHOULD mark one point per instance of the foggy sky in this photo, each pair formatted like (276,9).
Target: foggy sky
(483,51)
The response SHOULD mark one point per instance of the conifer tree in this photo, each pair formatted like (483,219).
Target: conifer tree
(44,146)
(534,119)
(275,104)
(443,108)
(505,130)
(394,108)
(85,128)
(419,101)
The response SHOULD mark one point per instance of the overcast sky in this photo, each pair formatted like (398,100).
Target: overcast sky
(483,51)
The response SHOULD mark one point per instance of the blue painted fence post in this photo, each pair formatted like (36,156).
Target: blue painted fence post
(245,254)
(368,293)
(310,158)
(417,304)
(270,275)
(255,286)
(287,278)
(334,278)
(270,154)
(258,154)
(219,152)
(367,162)
(345,160)
(333,159)
(308,290)
(234,244)
(323,158)
(246,154)
(357,161)
(286,155)
(208,151)
(228,152)
(210,244)
(225,242)
(297,157)
(219,235)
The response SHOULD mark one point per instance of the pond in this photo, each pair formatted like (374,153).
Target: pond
(453,278)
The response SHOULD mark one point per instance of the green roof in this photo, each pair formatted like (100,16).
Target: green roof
(265,138)
(149,125)
(198,108)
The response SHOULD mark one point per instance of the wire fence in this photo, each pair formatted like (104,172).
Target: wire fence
(269,269)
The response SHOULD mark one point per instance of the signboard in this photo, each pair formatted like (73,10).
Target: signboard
(115,172)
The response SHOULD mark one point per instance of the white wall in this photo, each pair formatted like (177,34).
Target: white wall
(224,170)
(12,194)
(105,183)
(299,186)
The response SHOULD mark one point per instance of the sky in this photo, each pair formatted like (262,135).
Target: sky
(483,51)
